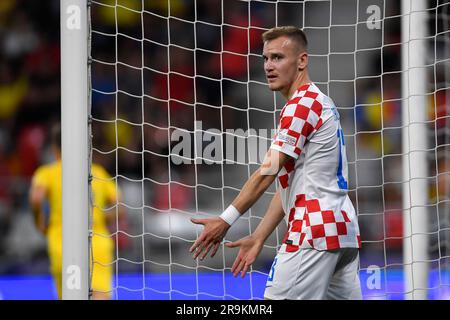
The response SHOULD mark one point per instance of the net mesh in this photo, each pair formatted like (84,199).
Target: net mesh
(194,68)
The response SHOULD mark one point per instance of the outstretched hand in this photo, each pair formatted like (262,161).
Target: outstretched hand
(212,235)
(250,247)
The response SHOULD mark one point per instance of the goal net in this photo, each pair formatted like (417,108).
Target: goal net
(181,114)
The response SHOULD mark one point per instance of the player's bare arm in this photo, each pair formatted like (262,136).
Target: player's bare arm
(251,246)
(216,228)
(37,197)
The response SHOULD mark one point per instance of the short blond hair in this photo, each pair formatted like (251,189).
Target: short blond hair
(291,32)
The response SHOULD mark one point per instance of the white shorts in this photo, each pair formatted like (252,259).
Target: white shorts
(309,274)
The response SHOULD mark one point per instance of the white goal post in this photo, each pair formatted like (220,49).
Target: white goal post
(414,148)
(74,143)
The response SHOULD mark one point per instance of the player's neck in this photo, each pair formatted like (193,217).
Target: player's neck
(302,79)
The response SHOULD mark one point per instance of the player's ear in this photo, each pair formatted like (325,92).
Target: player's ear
(302,60)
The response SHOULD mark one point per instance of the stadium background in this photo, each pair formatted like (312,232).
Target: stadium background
(30,104)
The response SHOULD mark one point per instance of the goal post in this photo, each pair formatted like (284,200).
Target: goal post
(75,155)
(414,148)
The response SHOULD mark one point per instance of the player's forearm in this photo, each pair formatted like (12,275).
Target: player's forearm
(36,200)
(272,218)
(36,214)
(252,191)
(39,218)
(35,206)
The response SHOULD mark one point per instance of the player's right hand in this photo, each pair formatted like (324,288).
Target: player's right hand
(212,235)
(250,247)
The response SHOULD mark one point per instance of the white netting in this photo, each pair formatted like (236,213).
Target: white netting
(191,66)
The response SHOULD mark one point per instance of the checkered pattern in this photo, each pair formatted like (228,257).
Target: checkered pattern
(311,227)
(321,216)
(299,119)
(283,175)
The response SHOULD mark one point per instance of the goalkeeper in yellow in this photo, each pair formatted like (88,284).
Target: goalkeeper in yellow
(46,187)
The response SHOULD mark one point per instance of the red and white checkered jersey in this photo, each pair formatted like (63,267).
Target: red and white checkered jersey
(313,183)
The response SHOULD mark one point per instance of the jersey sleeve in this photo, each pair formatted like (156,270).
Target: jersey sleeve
(107,184)
(41,177)
(299,119)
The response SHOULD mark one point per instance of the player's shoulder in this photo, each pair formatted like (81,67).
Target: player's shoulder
(310,91)
(99,171)
(45,173)
(306,95)
(47,168)
(310,95)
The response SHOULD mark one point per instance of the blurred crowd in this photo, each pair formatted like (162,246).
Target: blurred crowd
(29,102)
(143,67)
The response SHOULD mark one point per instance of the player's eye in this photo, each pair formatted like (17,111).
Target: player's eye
(276,57)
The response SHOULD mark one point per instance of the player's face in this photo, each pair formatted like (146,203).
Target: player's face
(281,63)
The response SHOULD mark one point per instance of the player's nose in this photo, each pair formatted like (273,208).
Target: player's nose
(268,67)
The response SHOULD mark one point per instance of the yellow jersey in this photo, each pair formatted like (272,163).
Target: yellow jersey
(104,196)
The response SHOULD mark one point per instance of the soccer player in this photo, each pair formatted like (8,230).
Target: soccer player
(46,187)
(319,255)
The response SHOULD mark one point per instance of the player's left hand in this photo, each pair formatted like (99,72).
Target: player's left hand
(250,247)
(211,237)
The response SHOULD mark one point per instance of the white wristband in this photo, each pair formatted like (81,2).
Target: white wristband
(230,215)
